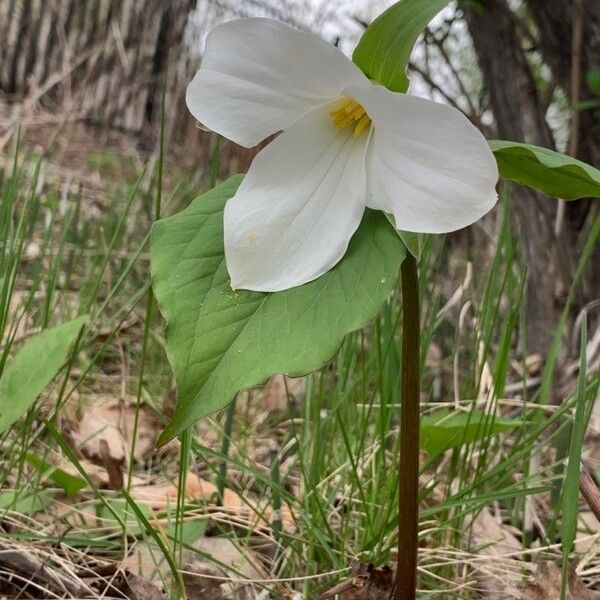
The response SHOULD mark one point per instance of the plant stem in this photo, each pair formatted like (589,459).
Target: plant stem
(408,467)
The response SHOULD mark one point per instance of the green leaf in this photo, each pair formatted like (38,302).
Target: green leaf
(590,104)
(71,484)
(25,503)
(220,341)
(593,80)
(128,516)
(191,530)
(33,368)
(446,429)
(384,49)
(413,242)
(553,173)
(570,499)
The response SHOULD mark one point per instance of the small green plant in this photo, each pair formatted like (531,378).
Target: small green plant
(257,276)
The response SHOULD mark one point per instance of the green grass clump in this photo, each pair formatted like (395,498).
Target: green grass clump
(323,461)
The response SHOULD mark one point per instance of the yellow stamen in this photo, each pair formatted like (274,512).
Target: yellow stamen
(343,120)
(341,105)
(351,106)
(349,113)
(358,112)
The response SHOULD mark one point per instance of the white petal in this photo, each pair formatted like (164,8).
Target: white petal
(427,164)
(259,76)
(297,208)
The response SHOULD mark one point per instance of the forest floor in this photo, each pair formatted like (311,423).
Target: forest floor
(292,490)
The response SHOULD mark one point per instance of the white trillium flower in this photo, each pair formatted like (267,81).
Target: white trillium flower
(346,144)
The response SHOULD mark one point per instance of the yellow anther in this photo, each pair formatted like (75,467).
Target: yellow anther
(348,112)
(341,105)
(351,106)
(343,120)
(358,112)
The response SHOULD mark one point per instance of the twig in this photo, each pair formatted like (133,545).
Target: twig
(589,490)
(30,566)
(439,44)
(576,55)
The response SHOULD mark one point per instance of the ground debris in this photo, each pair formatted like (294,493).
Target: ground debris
(245,511)
(104,433)
(279,389)
(547,584)
(501,576)
(366,583)
(26,567)
(203,581)
(138,588)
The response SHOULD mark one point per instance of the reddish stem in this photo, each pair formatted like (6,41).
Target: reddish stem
(408,467)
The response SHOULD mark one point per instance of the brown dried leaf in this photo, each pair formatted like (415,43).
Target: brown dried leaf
(145,560)
(104,433)
(277,389)
(206,580)
(547,584)
(366,583)
(203,581)
(160,496)
(138,588)
(501,576)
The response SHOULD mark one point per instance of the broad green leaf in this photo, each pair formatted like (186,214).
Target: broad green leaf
(220,341)
(25,503)
(33,368)
(553,173)
(384,49)
(191,530)
(413,242)
(128,516)
(445,429)
(71,484)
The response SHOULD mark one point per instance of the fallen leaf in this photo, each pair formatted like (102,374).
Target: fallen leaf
(278,388)
(534,363)
(366,583)
(203,581)
(255,516)
(501,576)
(219,579)
(135,587)
(547,584)
(160,496)
(141,588)
(104,432)
(146,560)
(97,473)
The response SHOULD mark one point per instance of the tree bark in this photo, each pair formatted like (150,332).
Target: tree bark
(520,115)
(555,23)
(102,61)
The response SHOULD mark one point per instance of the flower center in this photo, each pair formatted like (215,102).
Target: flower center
(349,113)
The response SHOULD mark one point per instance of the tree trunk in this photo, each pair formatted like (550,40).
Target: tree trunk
(555,22)
(101,61)
(519,113)
(519,116)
